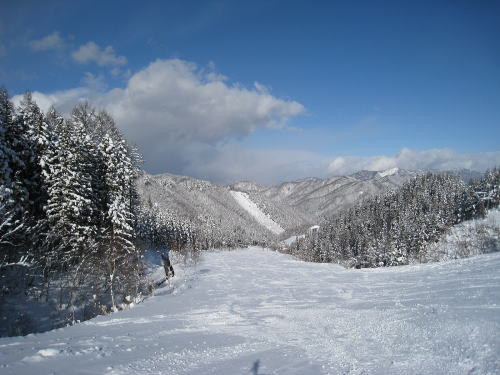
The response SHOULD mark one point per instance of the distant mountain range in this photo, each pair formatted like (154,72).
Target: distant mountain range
(316,197)
(294,204)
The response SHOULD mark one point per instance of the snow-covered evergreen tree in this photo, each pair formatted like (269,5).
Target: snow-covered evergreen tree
(39,136)
(117,232)
(397,227)
(17,161)
(9,163)
(70,207)
(68,200)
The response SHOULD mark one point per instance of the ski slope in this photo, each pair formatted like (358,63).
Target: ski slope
(254,311)
(246,203)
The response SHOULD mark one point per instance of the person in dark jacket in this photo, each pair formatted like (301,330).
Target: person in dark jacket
(169,270)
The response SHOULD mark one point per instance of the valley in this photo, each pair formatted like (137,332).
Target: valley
(292,206)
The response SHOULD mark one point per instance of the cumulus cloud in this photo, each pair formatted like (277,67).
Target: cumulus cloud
(94,82)
(174,110)
(176,102)
(64,100)
(50,42)
(434,159)
(91,52)
(231,162)
(188,120)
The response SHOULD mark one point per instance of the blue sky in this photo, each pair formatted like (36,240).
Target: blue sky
(271,90)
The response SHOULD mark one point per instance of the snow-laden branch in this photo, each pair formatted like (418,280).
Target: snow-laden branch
(23,262)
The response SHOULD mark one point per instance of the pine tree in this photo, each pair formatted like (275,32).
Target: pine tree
(67,190)
(17,162)
(52,162)
(117,236)
(39,136)
(9,163)
(70,205)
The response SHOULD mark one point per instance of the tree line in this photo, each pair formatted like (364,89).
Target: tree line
(68,205)
(395,228)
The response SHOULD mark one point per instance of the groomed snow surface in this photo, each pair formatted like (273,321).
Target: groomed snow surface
(254,311)
(246,203)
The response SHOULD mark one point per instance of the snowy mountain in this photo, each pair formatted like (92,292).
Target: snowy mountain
(364,175)
(290,205)
(318,197)
(254,311)
(206,204)
(247,186)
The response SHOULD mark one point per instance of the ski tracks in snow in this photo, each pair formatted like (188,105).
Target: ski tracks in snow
(255,311)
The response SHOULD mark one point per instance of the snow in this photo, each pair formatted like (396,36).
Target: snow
(388,172)
(23,262)
(468,238)
(246,203)
(292,239)
(254,311)
(42,354)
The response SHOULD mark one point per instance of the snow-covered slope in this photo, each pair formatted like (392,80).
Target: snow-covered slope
(259,312)
(209,207)
(206,205)
(324,197)
(468,238)
(244,201)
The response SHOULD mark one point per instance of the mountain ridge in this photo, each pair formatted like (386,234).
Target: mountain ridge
(291,204)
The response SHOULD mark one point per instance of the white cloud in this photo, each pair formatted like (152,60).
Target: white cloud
(186,120)
(64,101)
(50,42)
(434,159)
(230,163)
(94,82)
(177,102)
(261,88)
(91,52)
(337,164)
(172,106)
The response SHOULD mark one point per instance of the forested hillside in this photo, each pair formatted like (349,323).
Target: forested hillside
(205,213)
(397,227)
(319,198)
(68,209)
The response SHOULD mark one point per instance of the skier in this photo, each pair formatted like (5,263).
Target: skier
(169,270)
